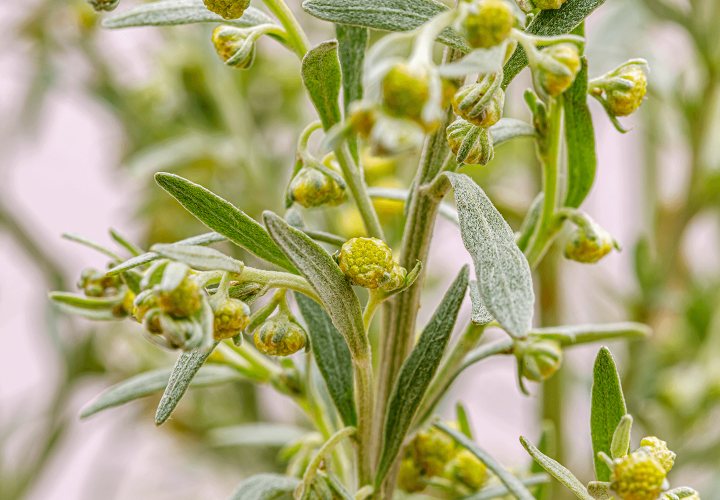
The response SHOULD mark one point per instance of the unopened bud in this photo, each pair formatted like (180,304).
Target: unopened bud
(467,469)
(548,4)
(487,23)
(96,284)
(406,90)
(625,89)
(231,316)
(227,9)
(235,46)
(184,300)
(280,337)
(431,450)
(658,449)
(410,478)
(590,244)
(103,5)
(558,67)
(312,188)
(479,103)
(362,117)
(368,262)
(637,477)
(538,359)
(469,143)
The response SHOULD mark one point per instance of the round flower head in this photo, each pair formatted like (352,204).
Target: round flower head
(548,4)
(467,469)
(227,9)
(231,316)
(432,450)
(540,360)
(96,284)
(410,478)
(367,262)
(469,143)
(589,248)
(185,300)
(554,80)
(280,337)
(235,46)
(312,188)
(473,104)
(103,5)
(405,91)
(660,451)
(487,24)
(637,477)
(624,101)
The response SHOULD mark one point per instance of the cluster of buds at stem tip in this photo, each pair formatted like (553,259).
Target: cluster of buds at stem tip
(622,90)
(481,103)
(103,5)
(368,262)
(589,242)
(94,283)
(471,144)
(227,9)
(485,23)
(538,359)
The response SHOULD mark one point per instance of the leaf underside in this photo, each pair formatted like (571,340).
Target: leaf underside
(322,77)
(264,487)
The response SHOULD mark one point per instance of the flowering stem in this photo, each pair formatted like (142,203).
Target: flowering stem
(295,34)
(303,490)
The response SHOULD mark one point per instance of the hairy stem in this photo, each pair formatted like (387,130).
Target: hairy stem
(295,34)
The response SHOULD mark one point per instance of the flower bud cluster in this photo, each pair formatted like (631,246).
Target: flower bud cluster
(94,283)
(637,476)
(486,23)
(227,9)
(368,262)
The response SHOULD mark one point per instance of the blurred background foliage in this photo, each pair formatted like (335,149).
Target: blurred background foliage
(235,131)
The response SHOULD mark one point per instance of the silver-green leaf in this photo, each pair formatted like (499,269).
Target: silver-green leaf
(557,471)
(322,77)
(480,314)
(510,128)
(503,272)
(620,445)
(500,491)
(512,483)
(264,487)
(255,434)
(223,217)
(154,381)
(198,257)
(417,372)
(175,12)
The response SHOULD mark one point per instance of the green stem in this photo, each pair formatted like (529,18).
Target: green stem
(295,34)
(312,468)
(355,181)
(374,300)
(276,279)
(548,151)
(365,401)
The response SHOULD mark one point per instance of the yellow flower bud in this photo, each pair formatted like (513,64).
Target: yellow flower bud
(431,450)
(588,247)
(467,469)
(368,262)
(185,300)
(637,477)
(548,4)
(552,80)
(405,92)
(227,9)
(469,143)
(231,316)
(95,284)
(362,118)
(410,478)
(539,359)
(473,105)
(660,451)
(235,46)
(144,301)
(624,101)
(280,337)
(312,188)
(487,24)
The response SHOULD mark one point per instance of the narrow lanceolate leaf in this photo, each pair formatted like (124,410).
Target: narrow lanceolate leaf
(255,434)
(154,381)
(620,445)
(608,407)
(582,334)
(326,278)
(580,137)
(510,128)
(322,78)
(93,308)
(174,12)
(221,216)
(333,357)
(480,314)
(512,483)
(387,15)
(353,42)
(499,491)
(185,369)
(264,487)
(557,471)
(416,373)
(551,22)
(503,273)
(141,260)
(201,258)
(527,229)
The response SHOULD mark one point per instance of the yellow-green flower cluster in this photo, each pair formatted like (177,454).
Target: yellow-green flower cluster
(487,24)
(368,262)
(557,77)
(231,316)
(280,336)
(637,476)
(227,9)
(405,90)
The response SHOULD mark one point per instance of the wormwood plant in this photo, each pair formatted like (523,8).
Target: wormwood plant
(375,434)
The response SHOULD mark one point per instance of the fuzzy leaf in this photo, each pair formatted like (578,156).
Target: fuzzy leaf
(478,61)
(326,278)
(608,407)
(620,445)
(580,137)
(551,22)
(512,483)
(503,272)
(417,372)
(386,15)
(186,366)
(480,314)
(333,357)
(197,257)
(222,217)
(141,260)
(174,12)
(546,445)
(154,381)
(322,77)
(353,42)
(92,308)
(500,491)
(557,471)
(510,128)
(582,334)
(527,229)
(264,487)
(255,434)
